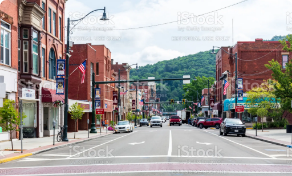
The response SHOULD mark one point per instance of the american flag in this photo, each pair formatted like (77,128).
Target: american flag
(82,68)
(226,84)
(141,102)
(190,107)
(123,93)
(203,98)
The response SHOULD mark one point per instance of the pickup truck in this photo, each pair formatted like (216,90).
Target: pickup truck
(175,120)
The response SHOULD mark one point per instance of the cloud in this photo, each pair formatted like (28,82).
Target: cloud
(148,55)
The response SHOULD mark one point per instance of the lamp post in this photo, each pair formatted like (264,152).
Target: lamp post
(104,17)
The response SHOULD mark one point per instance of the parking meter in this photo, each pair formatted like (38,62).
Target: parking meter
(88,127)
(54,126)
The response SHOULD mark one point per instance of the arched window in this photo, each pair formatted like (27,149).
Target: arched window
(52,60)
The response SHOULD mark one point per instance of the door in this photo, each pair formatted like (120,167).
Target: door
(208,122)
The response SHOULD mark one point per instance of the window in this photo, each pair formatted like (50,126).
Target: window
(43,62)
(52,65)
(50,20)
(25,56)
(97,68)
(44,21)
(60,28)
(285,60)
(25,33)
(5,43)
(35,53)
(54,23)
(19,54)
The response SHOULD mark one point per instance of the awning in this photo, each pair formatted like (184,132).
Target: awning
(49,95)
(229,104)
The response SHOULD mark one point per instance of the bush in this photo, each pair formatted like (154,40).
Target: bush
(278,124)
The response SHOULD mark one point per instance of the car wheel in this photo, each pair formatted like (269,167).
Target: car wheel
(217,126)
(220,133)
(206,127)
(151,126)
(161,126)
(224,133)
(243,135)
(179,124)
(170,124)
(238,135)
(201,126)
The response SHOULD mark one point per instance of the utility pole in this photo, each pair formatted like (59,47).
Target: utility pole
(235,83)
(209,113)
(119,97)
(136,104)
(93,128)
(197,102)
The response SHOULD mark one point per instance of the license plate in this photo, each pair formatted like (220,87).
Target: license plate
(235,130)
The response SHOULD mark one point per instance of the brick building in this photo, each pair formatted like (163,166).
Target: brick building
(252,56)
(98,62)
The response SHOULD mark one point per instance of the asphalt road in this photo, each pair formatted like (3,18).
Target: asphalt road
(170,150)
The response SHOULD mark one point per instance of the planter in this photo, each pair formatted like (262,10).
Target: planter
(289,129)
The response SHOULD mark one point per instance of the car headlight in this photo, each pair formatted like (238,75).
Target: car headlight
(128,127)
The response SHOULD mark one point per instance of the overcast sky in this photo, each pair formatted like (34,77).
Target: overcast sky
(251,19)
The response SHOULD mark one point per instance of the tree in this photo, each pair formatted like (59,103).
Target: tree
(262,112)
(129,116)
(10,118)
(76,112)
(98,117)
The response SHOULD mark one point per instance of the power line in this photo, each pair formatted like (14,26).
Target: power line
(160,24)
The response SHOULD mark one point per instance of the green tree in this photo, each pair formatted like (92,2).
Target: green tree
(76,112)
(129,116)
(262,112)
(10,118)
(99,118)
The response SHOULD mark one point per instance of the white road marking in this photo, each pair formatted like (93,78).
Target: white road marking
(170,144)
(203,143)
(100,145)
(54,155)
(135,143)
(240,144)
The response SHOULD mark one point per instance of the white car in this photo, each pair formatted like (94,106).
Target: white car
(156,121)
(124,126)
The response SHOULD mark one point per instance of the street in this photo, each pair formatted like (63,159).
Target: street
(170,150)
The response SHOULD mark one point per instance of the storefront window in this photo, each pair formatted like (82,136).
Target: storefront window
(29,111)
(54,116)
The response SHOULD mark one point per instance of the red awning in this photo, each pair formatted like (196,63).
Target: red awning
(49,95)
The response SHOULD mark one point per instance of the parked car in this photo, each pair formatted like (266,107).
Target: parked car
(211,122)
(144,122)
(232,126)
(175,120)
(124,126)
(197,120)
(163,119)
(167,117)
(155,121)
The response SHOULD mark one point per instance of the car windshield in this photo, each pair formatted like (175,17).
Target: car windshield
(175,117)
(123,123)
(155,118)
(234,122)
(143,120)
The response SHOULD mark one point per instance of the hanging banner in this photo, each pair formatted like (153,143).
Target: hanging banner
(60,86)
(133,104)
(97,93)
(61,67)
(240,95)
(115,97)
(239,83)
(97,104)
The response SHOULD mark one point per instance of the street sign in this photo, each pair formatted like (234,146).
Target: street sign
(99,111)
(187,81)
(239,109)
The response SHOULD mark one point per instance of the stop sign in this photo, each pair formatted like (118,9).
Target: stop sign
(239,109)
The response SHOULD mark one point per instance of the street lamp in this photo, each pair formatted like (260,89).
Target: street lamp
(235,58)
(93,130)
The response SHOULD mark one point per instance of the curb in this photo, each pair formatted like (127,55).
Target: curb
(48,149)
(268,141)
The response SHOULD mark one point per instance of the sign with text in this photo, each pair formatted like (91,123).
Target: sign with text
(97,93)
(240,83)
(115,97)
(61,67)
(239,109)
(133,104)
(28,93)
(97,104)
(60,86)
(99,111)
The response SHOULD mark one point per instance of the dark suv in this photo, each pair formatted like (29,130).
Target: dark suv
(211,122)
(232,126)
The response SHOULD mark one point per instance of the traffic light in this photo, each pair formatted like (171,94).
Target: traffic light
(184,101)
(171,101)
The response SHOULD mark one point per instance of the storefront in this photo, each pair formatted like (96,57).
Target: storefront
(229,109)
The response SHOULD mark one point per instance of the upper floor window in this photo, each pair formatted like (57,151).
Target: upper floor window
(52,64)
(50,20)
(19,54)
(284,60)
(60,28)
(43,20)
(97,68)
(25,57)
(5,43)
(35,53)
(43,62)
(54,23)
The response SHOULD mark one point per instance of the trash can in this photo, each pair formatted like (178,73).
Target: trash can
(289,129)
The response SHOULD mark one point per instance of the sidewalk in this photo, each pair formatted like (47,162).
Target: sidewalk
(37,145)
(274,136)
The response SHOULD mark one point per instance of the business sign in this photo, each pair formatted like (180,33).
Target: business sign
(215,112)
(115,97)
(60,86)
(239,109)
(240,83)
(97,93)
(97,104)
(99,111)
(133,104)
(240,95)
(28,93)
(61,67)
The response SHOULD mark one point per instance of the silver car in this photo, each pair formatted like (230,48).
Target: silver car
(124,126)
(155,121)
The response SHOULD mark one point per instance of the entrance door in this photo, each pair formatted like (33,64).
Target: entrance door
(46,121)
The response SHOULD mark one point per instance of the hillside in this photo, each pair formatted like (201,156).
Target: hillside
(200,64)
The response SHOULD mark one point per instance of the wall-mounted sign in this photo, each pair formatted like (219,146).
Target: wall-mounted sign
(99,111)
(28,93)
(60,86)
(240,83)
(97,93)
(115,97)
(61,67)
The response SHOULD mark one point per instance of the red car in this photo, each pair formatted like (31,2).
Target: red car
(211,122)
(175,120)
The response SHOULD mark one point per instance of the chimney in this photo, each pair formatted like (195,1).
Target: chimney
(112,61)
(258,40)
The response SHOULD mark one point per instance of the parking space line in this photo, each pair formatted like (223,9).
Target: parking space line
(170,144)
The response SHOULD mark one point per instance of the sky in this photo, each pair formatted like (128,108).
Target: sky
(189,26)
